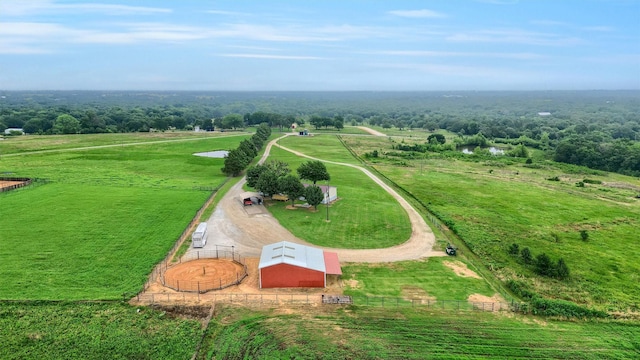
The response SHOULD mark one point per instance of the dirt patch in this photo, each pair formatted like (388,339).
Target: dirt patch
(371,131)
(486,303)
(203,274)
(483,298)
(461,269)
(352,283)
(415,293)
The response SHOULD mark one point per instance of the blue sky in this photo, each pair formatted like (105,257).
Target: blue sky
(320,45)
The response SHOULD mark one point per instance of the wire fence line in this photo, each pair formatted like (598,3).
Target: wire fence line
(163,265)
(214,283)
(317,299)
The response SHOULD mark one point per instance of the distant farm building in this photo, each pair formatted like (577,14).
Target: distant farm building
(286,265)
(544,113)
(11,131)
(330,192)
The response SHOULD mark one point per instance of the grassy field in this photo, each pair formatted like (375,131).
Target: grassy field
(364,217)
(105,217)
(23,144)
(492,204)
(94,331)
(366,333)
(426,279)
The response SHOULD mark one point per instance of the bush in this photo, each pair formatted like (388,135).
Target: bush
(520,289)
(590,181)
(525,253)
(584,235)
(562,270)
(555,178)
(550,307)
(514,249)
(580,184)
(544,265)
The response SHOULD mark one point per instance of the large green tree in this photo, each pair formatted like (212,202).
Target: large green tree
(314,170)
(291,186)
(314,195)
(268,183)
(235,162)
(66,124)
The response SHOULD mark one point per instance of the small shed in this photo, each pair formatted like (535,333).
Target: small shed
(286,264)
(330,192)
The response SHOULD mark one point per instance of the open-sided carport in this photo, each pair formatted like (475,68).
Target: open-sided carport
(251,198)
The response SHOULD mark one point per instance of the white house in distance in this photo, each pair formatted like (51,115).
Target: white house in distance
(8,131)
(330,192)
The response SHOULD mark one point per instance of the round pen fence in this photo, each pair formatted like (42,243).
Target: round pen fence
(205,270)
(11,183)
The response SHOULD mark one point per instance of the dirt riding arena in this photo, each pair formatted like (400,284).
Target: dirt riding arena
(204,275)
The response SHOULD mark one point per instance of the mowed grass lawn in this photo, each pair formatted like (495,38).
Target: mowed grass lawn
(364,217)
(492,205)
(106,216)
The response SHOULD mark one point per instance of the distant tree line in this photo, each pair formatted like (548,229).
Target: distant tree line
(598,129)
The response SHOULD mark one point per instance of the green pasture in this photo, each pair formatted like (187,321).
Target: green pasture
(423,279)
(93,331)
(398,333)
(333,131)
(494,203)
(364,217)
(105,217)
(30,143)
(325,147)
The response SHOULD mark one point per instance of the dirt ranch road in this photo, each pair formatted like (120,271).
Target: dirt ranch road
(248,229)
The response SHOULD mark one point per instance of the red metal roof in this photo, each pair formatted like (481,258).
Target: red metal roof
(332,264)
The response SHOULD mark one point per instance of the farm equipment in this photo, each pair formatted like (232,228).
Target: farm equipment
(451,250)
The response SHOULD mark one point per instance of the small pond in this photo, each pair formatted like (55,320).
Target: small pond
(493,150)
(219,154)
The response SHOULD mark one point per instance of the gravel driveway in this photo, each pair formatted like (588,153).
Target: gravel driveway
(232,225)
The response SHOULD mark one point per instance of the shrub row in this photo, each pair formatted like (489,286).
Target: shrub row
(238,159)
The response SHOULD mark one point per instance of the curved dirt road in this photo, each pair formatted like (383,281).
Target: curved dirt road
(248,229)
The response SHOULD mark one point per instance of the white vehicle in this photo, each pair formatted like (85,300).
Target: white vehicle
(199,237)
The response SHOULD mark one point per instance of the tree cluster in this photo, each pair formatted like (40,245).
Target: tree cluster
(542,263)
(239,158)
(274,177)
(320,121)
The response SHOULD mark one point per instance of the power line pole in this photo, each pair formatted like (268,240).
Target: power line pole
(327,199)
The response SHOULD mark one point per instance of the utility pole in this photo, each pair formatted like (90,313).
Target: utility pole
(328,198)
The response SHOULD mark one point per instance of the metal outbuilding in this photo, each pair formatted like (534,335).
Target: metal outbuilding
(287,264)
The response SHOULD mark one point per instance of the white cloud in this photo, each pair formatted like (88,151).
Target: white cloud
(515,36)
(422,53)
(598,28)
(227,13)
(269,56)
(422,13)
(31,7)
(499,2)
